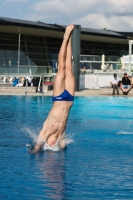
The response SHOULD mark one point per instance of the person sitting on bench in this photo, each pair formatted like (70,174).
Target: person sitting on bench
(126,84)
(114,83)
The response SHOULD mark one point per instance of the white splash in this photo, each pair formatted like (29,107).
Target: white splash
(33,136)
(31,133)
(53,148)
(56,146)
(124,133)
(68,140)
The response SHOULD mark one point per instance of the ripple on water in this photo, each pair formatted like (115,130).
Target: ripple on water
(97,163)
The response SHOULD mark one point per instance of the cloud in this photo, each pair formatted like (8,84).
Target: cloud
(78,7)
(66,8)
(65,11)
(99,21)
(112,14)
(123,7)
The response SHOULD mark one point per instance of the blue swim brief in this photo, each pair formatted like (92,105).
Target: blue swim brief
(65,96)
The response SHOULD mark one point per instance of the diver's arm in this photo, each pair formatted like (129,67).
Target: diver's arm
(41,139)
(40,142)
(62,143)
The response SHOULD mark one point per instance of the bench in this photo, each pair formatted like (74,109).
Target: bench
(109,91)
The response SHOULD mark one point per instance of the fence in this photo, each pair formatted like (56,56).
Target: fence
(94,81)
(87,81)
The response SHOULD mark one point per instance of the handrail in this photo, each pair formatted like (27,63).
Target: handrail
(26,87)
(31,75)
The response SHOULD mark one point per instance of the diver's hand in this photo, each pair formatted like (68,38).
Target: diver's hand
(33,150)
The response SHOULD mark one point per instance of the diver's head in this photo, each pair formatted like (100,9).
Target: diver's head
(52,139)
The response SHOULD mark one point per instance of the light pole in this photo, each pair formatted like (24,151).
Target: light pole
(130,53)
(19,31)
(103,62)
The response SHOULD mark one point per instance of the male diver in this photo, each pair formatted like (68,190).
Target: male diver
(53,130)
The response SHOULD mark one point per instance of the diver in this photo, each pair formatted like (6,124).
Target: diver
(53,130)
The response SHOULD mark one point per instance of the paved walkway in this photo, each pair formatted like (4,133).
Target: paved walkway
(50,93)
(80,93)
(86,92)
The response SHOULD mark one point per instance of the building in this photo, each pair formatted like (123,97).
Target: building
(31,48)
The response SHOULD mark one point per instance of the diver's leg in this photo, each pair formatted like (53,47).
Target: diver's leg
(59,83)
(69,80)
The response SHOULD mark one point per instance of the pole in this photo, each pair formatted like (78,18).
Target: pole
(130,56)
(26,87)
(103,62)
(42,84)
(130,53)
(76,54)
(19,49)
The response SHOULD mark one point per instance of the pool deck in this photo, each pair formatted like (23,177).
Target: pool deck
(85,92)
(50,93)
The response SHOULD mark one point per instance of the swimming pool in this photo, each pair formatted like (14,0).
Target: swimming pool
(97,163)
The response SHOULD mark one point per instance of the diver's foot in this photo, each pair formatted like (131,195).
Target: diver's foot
(68,31)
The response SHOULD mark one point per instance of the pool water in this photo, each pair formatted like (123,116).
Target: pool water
(98,161)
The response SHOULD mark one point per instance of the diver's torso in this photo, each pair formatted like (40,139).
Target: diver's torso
(57,118)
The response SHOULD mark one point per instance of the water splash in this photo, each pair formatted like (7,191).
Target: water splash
(56,146)
(31,133)
(124,133)
(33,136)
(53,148)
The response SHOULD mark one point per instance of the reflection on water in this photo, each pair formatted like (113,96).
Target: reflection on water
(97,163)
(53,170)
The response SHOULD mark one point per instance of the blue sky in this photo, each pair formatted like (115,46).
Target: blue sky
(114,15)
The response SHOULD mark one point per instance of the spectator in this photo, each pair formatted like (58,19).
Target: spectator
(126,84)
(15,81)
(29,81)
(21,82)
(83,70)
(114,83)
(132,80)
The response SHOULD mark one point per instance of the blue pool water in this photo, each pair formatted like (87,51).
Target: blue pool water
(97,164)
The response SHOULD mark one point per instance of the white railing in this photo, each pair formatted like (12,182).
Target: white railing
(94,81)
(87,81)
